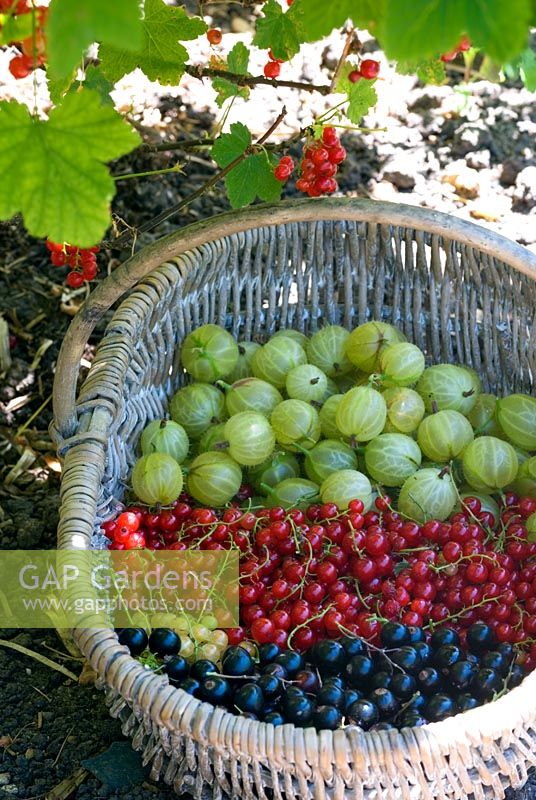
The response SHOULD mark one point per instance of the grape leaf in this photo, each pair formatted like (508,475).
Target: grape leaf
(430,71)
(160,57)
(319,19)
(426,28)
(252,177)
(237,61)
(279,30)
(73,25)
(53,171)
(362,97)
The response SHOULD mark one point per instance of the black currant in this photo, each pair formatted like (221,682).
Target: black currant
(358,670)
(439,707)
(363,713)
(429,680)
(216,690)
(394,634)
(237,662)
(164,642)
(293,662)
(202,669)
(176,668)
(403,686)
(444,636)
(249,697)
(326,717)
(135,639)
(329,656)
(267,652)
(480,637)
(385,702)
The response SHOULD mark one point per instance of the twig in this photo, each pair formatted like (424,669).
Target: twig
(169,212)
(38,657)
(343,57)
(62,746)
(254,80)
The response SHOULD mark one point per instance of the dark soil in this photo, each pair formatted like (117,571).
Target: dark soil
(49,723)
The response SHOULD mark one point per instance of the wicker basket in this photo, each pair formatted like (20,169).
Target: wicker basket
(460,292)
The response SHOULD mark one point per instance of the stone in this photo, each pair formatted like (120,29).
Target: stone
(525,188)
(401,171)
(465,180)
(510,169)
(478,159)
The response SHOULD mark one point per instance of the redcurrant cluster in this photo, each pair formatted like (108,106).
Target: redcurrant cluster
(284,169)
(368,68)
(323,572)
(318,166)
(272,68)
(32,50)
(82,261)
(463,45)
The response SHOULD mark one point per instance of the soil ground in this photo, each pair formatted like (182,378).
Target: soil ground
(467,152)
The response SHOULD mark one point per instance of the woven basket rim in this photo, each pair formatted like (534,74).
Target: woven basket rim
(515,708)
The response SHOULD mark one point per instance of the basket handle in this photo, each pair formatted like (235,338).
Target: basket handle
(191,236)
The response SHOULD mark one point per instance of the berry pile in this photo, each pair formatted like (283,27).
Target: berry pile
(82,262)
(322,573)
(408,680)
(32,50)
(368,69)
(463,45)
(272,68)
(319,164)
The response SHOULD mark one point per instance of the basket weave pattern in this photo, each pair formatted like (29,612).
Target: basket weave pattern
(461,294)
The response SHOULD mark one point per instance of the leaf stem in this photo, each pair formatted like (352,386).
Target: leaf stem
(127,175)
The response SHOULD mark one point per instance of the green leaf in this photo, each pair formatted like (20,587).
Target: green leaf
(59,86)
(430,71)
(238,59)
(319,19)
(73,25)
(499,27)
(53,171)
(279,30)
(423,29)
(94,79)
(161,57)
(527,69)
(362,97)
(15,29)
(419,29)
(253,177)
(227,89)
(229,146)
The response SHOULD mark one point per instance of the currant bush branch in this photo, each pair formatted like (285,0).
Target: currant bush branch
(124,241)
(254,80)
